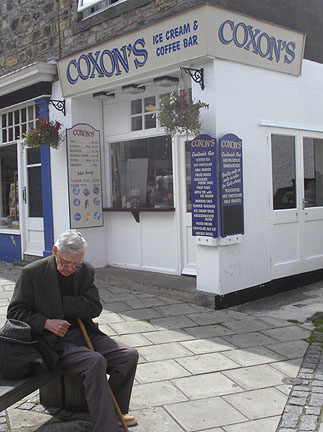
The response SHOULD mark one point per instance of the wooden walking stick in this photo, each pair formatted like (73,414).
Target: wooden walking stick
(115,403)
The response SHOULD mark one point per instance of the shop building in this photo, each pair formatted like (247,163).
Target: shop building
(103,179)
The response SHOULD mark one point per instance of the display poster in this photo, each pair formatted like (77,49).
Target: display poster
(231,185)
(204,186)
(84,176)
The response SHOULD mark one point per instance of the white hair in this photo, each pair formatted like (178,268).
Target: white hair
(71,242)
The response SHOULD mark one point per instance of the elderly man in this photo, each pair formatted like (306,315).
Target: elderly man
(50,295)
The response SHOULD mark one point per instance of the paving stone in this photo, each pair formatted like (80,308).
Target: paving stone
(174,322)
(299,394)
(249,339)
(163,351)
(316,399)
(308,423)
(164,336)
(204,414)
(285,430)
(294,409)
(175,310)
(258,403)
(159,371)
(253,356)
(210,331)
(287,334)
(317,389)
(263,425)
(205,386)
(297,401)
(155,394)
(27,406)
(289,423)
(255,377)
(208,345)
(313,410)
(206,363)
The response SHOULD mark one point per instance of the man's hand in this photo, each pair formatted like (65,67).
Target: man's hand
(57,326)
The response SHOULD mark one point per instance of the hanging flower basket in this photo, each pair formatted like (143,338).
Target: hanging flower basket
(44,133)
(179,114)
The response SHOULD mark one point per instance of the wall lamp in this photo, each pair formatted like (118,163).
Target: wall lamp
(103,96)
(166,81)
(133,89)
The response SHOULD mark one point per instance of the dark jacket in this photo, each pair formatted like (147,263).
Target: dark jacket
(37,297)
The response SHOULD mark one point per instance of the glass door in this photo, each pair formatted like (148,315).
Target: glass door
(187,240)
(312,205)
(297,202)
(32,202)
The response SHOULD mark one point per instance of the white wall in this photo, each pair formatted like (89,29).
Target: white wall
(80,110)
(241,97)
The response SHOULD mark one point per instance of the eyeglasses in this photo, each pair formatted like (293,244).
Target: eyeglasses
(68,264)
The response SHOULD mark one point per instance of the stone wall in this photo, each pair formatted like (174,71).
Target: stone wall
(45,30)
(28,33)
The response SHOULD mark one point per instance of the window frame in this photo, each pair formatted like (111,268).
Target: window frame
(169,186)
(106,4)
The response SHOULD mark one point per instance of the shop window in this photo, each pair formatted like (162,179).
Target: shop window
(9,206)
(92,7)
(283,172)
(34,199)
(142,173)
(143,113)
(313,172)
(15,123)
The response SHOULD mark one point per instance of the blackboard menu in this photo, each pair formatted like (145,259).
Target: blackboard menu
(231,185)
(84,176)
(204,186)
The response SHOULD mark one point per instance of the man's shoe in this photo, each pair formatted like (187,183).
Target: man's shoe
(129,419)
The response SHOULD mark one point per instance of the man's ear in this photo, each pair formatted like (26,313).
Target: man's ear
(54,250)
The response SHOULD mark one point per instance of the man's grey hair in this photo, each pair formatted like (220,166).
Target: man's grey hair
(71,242)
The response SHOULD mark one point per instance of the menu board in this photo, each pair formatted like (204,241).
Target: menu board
(84,176)
(204,186)
(231,187)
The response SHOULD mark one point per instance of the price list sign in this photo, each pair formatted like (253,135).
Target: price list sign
(231,188)
(204,186)
(84,176)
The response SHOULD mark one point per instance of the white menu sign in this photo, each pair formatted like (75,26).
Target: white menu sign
(84,176)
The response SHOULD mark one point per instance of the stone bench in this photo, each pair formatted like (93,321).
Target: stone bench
(56,389)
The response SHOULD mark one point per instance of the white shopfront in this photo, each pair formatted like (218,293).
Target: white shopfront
(258,88)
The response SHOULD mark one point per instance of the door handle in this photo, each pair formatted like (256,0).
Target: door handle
(304,202)
(24,195)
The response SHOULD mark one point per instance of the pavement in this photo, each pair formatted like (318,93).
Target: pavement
(256,367)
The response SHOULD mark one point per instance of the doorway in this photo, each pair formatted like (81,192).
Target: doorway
(32,228)
(297,202)
(188,244)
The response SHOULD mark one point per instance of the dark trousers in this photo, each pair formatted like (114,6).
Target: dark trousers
(110,356)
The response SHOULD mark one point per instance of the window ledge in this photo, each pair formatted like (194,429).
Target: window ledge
(106,14)
(10,231)
(136,211)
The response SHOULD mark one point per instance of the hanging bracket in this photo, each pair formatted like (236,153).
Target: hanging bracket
(197,75)
(59,105)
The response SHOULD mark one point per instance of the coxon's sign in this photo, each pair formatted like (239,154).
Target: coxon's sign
(106,62)
(202,32)
(261,43)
